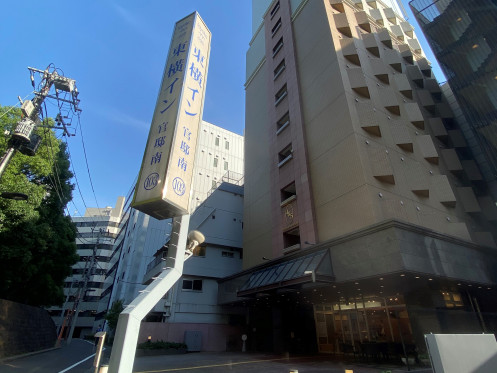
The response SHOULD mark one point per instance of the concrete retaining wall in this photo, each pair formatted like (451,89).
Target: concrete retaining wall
(24,329)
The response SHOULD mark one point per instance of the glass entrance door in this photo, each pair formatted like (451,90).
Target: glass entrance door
(361,324)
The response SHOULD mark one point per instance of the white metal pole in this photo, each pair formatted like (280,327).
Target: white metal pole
(4,162)
(128,326)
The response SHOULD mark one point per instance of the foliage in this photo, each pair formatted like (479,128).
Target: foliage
(112,315)
(37,241)
(161,345)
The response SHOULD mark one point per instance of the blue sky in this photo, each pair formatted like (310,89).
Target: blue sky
(116,51)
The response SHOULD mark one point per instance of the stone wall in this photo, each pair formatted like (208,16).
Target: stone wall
(24,329)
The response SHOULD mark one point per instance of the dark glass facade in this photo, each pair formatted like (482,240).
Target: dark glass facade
(463,36)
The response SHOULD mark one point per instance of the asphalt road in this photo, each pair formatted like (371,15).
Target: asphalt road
(54,361)
(71,359)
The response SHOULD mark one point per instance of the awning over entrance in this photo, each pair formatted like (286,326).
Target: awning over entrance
(313,267)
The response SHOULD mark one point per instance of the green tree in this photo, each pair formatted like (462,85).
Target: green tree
(112,315)
(37,240)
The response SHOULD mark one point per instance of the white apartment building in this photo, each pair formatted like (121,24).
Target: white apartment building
(189,312)
(220,156)
(220,152)
(97,231)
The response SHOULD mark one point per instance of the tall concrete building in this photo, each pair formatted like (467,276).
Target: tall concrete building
(97,231)
(356,229)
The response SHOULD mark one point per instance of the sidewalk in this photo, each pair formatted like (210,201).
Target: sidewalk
(78,358)
(206,362)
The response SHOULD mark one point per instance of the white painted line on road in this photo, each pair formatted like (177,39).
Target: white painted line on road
(82,361)
(79,362)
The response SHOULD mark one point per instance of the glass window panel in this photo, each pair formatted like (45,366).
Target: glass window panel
(303,267)
(187,284)
(256,279)
(291,271)
(262,279)
(315,261)
(274,274)
(284,271)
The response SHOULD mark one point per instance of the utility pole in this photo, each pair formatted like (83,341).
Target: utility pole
(23,137)
(82,291)
(64,317)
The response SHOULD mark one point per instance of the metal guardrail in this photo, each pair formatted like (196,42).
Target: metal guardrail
(231,177)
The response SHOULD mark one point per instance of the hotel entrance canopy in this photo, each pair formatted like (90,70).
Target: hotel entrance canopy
(311,268)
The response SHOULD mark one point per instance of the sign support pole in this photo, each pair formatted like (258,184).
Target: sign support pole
(128,326)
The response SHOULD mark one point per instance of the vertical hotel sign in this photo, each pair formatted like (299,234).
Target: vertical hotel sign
(164,183)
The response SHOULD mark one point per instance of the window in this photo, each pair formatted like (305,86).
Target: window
(452,299)
(291,240)
(192,285)
(279,69)
(227,145)
(285,155)
(275,9)
(217,141)
(199,251)
(277,47)
(227,254)
(280,95)
(215,161)
(282,123)
(225,165)
(276,27)
(288,193)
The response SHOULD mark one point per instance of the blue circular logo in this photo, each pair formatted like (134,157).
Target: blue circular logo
(179,186)
(151,181)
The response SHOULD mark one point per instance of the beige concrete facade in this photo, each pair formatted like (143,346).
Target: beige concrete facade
(364,141)
(362,230)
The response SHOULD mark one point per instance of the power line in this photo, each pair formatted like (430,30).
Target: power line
(12,107)
(86,159)
(54,162)
(51,178)
(75,177)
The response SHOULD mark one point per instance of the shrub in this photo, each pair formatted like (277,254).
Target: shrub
(161,345)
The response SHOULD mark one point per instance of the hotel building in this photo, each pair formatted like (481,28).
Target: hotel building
(360,228)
